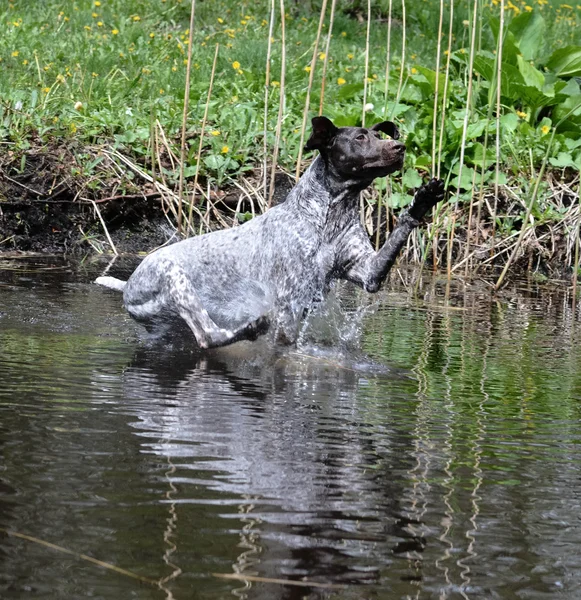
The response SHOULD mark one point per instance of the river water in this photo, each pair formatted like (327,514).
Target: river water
(422,443)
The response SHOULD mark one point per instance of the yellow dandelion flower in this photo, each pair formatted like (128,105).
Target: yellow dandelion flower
(152,35)
(174,68)
(136,18)
(240,71)
(343,34)
(95,74)
(414,71)
(220,20)
(322,56)
(215,132)
(114,31)
(225,150)
(521,114)
(67,19)
(341,81)
(161,91)
(567,6)
(15,53)
(243,22)
(545,129)
(236,65)
(94,15)
(46,90)
(528,8)
(275,83)
(308,69)
(99,23)
(24,62)
(60,78)
(87,27)
(350,56)
(97,3)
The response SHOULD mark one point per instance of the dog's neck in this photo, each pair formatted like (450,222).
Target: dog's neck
(326,198)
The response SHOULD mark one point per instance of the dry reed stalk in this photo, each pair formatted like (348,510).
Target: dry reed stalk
(439,213)
(467,114)
(446,83)
(498,96)
(103,224)
(266,84)
(202,131)
(575,274)
(468,111)
(469,230)
(327,46)
(366,76)
(378,221)
(280,104)
(185,118)
(403,40)
(387,57)
(437,86)
(309,87)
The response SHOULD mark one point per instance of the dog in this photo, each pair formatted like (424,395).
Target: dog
(235,284)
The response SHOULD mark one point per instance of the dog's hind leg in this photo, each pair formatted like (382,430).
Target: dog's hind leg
(185,300)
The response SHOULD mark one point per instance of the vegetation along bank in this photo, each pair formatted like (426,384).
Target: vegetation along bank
(99,152)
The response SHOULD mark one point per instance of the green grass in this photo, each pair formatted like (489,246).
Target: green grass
(102,72)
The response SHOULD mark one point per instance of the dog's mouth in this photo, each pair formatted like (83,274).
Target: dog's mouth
(391,160)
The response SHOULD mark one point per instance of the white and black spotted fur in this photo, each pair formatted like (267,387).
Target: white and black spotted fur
(234,284)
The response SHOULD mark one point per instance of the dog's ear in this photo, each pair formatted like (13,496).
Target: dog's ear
(387,127)
(323,133)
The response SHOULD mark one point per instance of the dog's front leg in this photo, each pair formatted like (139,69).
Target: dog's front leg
(368,268)
(427,196)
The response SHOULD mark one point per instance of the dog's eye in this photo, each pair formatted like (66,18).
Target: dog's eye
(361,137)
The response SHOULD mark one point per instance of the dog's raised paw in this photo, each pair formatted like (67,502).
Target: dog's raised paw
(426,197)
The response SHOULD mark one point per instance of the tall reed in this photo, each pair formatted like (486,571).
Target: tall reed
(467,114)
(387,57)
(499,48)
(185,118)
(266,87)
(366,75)
(327,48)
(437,89)
(280,103)
(310,85)
(202,132)
(403,43)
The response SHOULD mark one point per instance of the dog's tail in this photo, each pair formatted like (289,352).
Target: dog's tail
(111,282)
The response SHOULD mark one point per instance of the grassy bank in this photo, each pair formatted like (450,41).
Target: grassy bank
(106,80)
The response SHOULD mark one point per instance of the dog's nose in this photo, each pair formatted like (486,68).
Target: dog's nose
(399,147)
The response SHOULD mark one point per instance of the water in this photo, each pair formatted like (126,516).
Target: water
(440,460)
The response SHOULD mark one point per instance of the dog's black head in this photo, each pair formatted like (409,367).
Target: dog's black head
(357,152)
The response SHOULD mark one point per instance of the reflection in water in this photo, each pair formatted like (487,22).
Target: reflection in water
(453,472)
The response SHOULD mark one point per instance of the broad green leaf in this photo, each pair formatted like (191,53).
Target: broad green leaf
(481,158)
(532,77)
(349,90)
(467,178)
(528,29)
(397,200)
(509,122)
(566,62)
(411,179)
(510,49)
(431,79)
(564,159)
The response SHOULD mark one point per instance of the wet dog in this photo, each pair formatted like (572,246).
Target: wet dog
(237,283)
